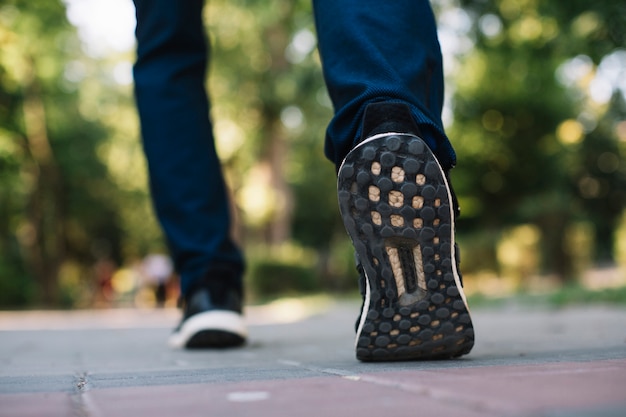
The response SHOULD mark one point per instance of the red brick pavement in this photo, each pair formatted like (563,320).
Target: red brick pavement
(519,390)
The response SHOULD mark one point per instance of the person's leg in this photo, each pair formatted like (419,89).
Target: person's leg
(382,65)
(186,182)
(376,51)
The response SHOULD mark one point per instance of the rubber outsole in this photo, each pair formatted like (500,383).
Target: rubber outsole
(215,339)
(396,206)
(210,329)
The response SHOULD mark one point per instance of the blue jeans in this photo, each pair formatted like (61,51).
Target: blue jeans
(371,51)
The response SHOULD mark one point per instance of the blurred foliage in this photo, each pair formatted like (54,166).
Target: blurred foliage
(535,89)
(540,138)
(576,294)
(282,278)
(567,295)
(56,197)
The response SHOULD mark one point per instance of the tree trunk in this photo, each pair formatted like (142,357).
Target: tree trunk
(42,236)
(555,257)
(276,147)
(280,226)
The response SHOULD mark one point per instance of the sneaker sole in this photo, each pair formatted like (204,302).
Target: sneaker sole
(396,206)
(211,329)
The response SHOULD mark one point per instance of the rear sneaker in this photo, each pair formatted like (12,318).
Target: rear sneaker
(398,209)
(211,319)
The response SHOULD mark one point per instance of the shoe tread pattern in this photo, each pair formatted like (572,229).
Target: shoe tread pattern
(393,199)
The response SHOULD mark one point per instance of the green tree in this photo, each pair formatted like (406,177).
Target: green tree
(55,194)
(526,146)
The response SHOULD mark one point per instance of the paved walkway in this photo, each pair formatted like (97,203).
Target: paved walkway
(300,362)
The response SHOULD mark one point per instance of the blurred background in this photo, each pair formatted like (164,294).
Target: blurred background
(535,107)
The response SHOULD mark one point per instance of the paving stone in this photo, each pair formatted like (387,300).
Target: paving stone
(300,362)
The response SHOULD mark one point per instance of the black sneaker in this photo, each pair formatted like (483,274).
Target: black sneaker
(212,318)
(399,211)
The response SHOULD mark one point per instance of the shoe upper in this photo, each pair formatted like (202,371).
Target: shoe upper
(384,117)
(211,294)
(212,315)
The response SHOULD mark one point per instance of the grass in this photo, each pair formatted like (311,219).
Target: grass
(565,296)
(579,295)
